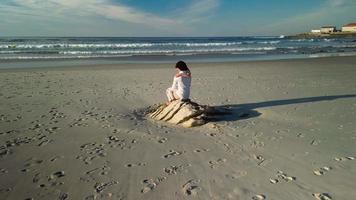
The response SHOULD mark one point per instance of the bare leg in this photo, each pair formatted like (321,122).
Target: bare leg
(171,95)
(176,97)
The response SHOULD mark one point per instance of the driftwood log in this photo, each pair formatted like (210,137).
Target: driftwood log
(184,113)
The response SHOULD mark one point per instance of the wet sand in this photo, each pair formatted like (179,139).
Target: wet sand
(79,133)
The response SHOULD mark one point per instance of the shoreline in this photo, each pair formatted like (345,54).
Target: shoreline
(162,64)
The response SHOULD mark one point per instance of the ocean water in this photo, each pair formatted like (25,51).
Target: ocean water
(158,49)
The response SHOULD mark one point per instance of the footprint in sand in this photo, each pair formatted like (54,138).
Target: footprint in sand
(273,181)
(79,122)
(44,142)
(63,196)
(201,150)
(50,180)
(322,196)
(5,151)
(31,163)
(172,170)
(151,184)
(259,197)
(53,159)
(216,163)
(191,187)
(95,173)
(315,142)
(259,158)
(3,171)
(236,174)
(300,135)
(344,158)
(36,178)
(135,164)
(99,187)
(321,171)
(130,165)
(91,151)
(285,177)
(162,140)
(114,142)
(53,178)
(58,174)
(257,144)
(173,153)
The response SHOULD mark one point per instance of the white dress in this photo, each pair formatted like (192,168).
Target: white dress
(181,85)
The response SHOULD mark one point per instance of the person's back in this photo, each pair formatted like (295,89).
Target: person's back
(181,83)
(184,81)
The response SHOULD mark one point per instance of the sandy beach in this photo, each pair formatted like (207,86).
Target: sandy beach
(79,133)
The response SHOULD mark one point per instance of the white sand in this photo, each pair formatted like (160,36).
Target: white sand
(73,133)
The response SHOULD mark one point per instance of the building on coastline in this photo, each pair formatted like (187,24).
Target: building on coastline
(351,27)
(328,29)
(315,31)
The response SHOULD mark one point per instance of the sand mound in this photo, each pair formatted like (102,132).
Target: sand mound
(187,114)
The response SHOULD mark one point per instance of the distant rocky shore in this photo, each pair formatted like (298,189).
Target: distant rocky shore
(322,35)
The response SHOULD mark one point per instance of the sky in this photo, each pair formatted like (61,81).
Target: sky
(170,18)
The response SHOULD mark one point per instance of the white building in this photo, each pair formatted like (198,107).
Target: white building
(349,27)
(328,29)
(315,31)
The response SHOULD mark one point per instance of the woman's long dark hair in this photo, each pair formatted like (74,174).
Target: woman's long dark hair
(182,66)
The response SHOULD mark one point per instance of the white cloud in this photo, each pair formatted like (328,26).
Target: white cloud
(81,10)
(201,7)
(340,2)
(336,2)
(197,11)
(101,8)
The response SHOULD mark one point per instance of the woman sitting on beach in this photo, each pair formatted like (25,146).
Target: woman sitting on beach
(180,89)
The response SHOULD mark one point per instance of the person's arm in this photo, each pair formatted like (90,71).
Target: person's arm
(175,83)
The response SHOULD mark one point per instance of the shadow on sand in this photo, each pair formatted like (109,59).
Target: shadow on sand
(236,112)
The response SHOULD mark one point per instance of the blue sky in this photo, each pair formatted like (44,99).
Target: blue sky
(170,17)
